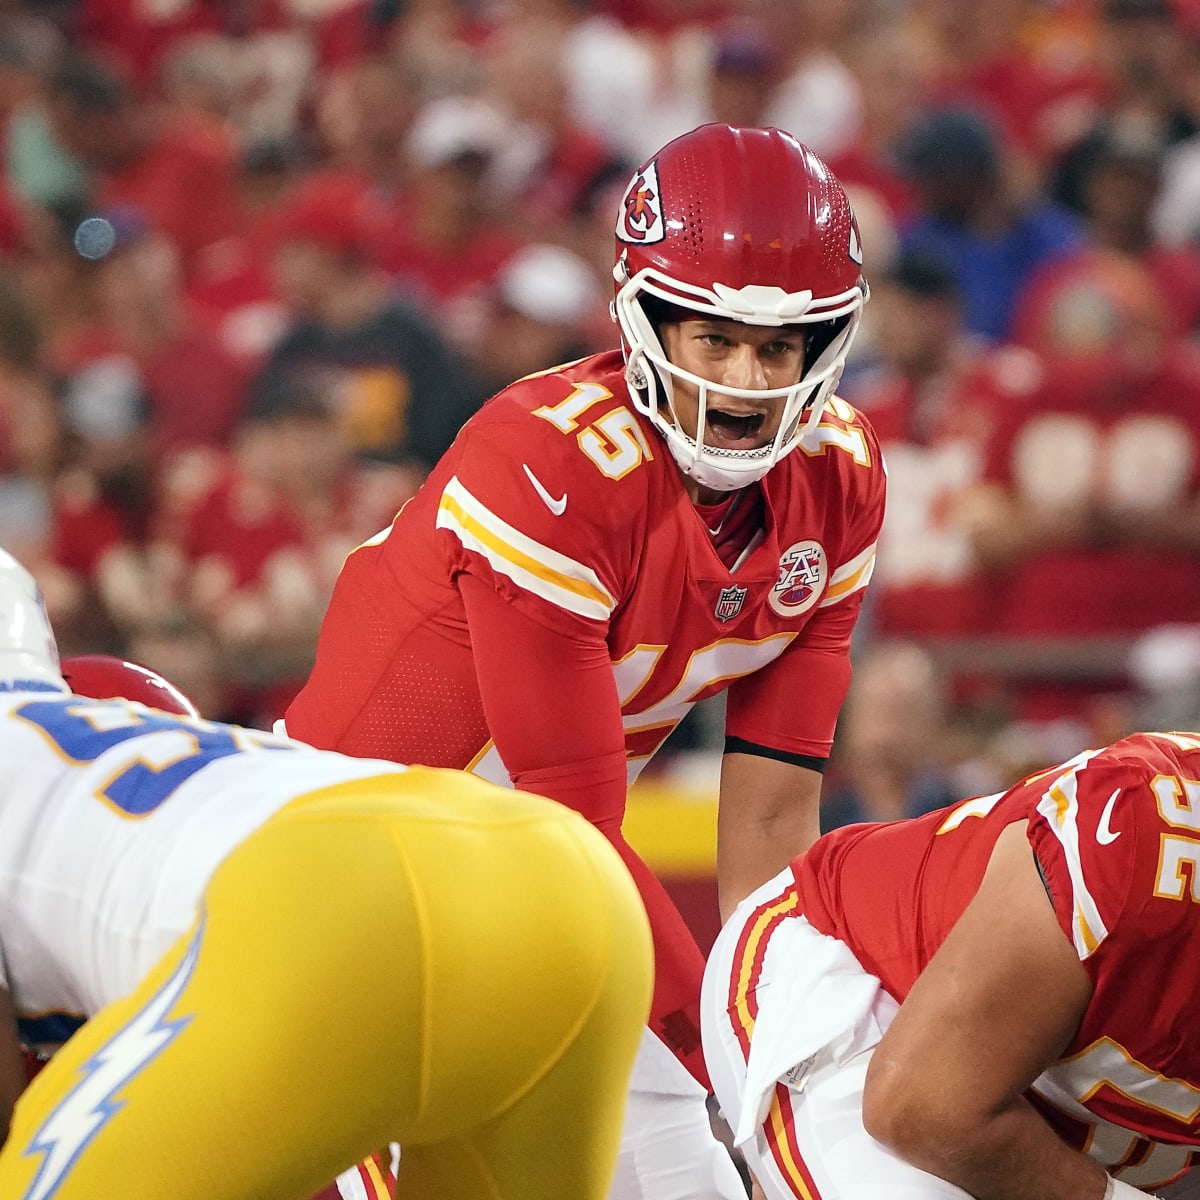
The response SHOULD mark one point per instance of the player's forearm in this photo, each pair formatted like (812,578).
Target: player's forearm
(1009,1155)
(768,814)
(758,846)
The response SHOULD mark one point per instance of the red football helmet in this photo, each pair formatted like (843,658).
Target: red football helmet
(103,677)
(750,225)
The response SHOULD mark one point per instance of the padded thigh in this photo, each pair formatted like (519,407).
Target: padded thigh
(419,958)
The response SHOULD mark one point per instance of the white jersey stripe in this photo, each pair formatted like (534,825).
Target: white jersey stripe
(350,1185)
(553,576)
(1059,805)
(850,577)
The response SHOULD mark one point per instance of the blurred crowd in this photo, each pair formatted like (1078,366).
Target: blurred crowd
(259,259)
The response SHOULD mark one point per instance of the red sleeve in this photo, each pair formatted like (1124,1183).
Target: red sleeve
(552,708)
(1099,888)
(526,512)
(551,704)
(793,704)
(1114,839)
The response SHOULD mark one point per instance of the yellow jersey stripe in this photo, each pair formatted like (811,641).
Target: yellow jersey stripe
(850,577)
(536,568)
(749,956)
(785,1152)
(383,1190)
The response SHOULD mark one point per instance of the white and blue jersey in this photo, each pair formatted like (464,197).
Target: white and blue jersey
(113,817)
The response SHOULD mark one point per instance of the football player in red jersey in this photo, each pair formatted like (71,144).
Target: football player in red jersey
(610,541)
(994,1000)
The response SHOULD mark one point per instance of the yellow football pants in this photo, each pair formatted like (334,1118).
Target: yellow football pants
(421,958)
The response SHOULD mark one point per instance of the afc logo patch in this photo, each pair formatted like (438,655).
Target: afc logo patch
(803,573)
(640,219)
(729,603)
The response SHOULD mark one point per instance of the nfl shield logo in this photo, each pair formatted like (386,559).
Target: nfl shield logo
(729,603)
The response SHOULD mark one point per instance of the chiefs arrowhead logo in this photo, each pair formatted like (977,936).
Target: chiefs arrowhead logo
(640,219)
(855,247)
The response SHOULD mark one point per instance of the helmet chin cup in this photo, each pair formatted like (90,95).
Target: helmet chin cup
(708,472)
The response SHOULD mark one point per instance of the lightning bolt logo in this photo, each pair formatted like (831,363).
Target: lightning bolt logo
(89,1106)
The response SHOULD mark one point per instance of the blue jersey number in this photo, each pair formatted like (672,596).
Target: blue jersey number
(82,730)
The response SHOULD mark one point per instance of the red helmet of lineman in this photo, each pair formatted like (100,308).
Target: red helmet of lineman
(103,677)
(750,225)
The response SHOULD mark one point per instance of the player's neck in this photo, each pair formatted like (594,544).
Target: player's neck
(734,522)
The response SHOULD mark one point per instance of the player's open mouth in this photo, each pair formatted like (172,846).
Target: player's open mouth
(732,430)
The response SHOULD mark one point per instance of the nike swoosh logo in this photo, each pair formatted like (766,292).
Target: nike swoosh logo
(1104,833)
(557,507)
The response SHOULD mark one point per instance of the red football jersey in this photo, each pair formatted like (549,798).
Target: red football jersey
(566,501)
(608,612)
(1117,836)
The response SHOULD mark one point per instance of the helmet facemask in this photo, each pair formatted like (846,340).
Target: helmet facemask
(651,375)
